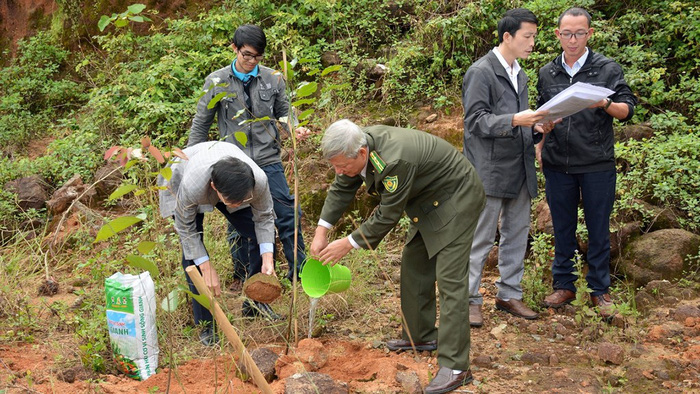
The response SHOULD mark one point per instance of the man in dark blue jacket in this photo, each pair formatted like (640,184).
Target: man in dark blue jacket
(578,160)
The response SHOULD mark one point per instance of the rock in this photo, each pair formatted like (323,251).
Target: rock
(644,301)
(313,383)
(330,58)
(544,218)
(533,328)
(265,359)
(491,263)
(310,355)
(553,360)
(497,332)
(659,255)
(31,192)
(637,132)
(660,288)
(619,239)
(535,358)
(72,189)
(409,382)
(432,118)
(390,121)
(48,288)
(107,179)
(685,311)
(483,361)
(612,353)
(657,332)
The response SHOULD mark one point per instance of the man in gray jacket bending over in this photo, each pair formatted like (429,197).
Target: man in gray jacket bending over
(218,174)
(498,141)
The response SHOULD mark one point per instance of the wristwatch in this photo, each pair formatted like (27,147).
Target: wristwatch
(608,101)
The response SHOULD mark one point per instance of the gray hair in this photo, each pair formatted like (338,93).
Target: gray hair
(343,137)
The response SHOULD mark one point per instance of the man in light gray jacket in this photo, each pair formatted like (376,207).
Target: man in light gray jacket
(218,174)
(498,141)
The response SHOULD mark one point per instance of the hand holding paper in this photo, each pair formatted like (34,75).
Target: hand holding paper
(573,99)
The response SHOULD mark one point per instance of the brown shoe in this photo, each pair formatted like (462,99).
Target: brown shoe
(401,344)
(606,307)
(446,381)
(559,298)
(517,308)
(475,319)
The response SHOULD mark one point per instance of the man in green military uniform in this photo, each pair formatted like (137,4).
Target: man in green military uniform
(437,187)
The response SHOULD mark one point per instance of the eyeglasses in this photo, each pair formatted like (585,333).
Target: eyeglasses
(250,56)
(247,200)
(579,35)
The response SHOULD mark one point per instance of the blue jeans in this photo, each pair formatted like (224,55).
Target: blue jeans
(597,192)
(242,221)
(283,204)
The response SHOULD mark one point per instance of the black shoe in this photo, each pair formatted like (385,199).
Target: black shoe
(208,337)
(402,344)
(255,309)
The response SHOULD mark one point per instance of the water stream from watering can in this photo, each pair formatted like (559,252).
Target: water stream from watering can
(313,303)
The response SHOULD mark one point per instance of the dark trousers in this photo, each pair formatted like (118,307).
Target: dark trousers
(283,204)
(596,190)
(242,221)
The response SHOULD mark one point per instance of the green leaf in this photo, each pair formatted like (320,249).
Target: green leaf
(171,301)
(121,190)
(121,22)
(331,69)
(137,18)
(104,21)
(306,114)
(130,163)
(144,264)
(241,137)
(139,192)
(303,101)
(145,247)
(216,99)
(116,226)
(136,8)
(203,300)
(166,173)
(307,89)
(313,72)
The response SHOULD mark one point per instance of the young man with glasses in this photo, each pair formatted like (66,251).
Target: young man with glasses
(578,160)
(218,175)
(244,91)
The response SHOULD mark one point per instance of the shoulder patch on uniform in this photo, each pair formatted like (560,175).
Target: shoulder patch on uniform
(377,162)
(391,183)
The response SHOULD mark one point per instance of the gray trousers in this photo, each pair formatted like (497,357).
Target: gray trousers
(514,214)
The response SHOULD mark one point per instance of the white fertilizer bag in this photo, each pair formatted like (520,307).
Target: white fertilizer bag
(131,317)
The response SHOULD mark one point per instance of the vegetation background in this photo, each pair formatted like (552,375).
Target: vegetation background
(74,91)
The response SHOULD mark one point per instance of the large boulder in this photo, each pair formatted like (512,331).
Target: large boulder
(659,255)
(31,192)
(637,132)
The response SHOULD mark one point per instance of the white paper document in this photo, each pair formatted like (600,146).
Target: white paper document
(573,99)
